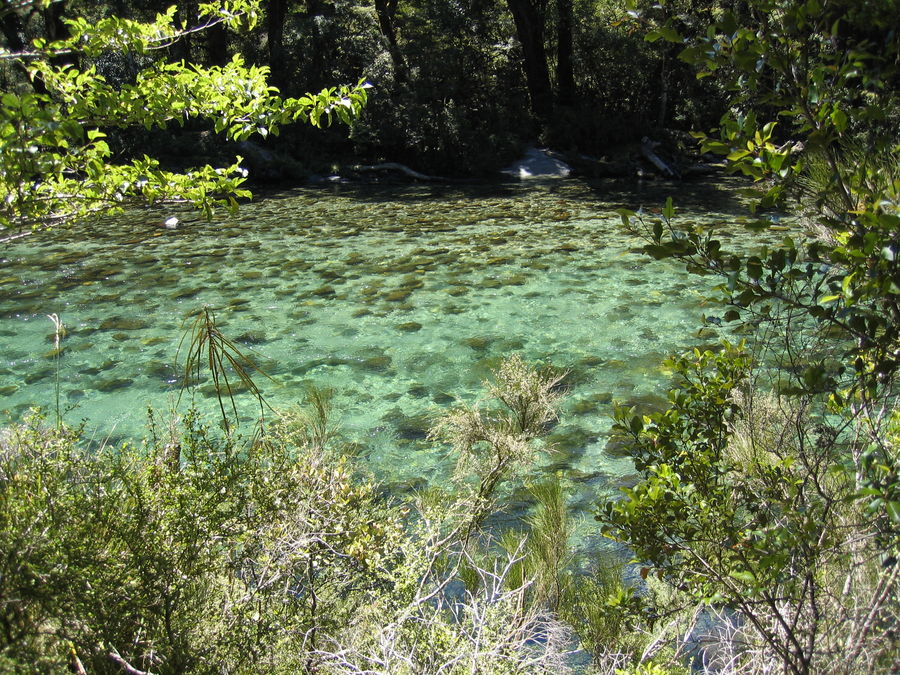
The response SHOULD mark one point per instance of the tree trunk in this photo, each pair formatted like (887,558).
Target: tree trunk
(187,13)
(12,28)
(217,45)
(565,74)
(13,34)
(276,13)
(58,30)
(387,10)
(530,21)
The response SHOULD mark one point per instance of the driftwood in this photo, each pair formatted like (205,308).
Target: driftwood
(394,166)
(13,237)
(647,150)
(123,664)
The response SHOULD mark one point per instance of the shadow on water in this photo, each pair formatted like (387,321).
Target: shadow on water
(719,194)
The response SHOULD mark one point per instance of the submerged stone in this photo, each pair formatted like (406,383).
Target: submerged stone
(232,389)
(647,403)
(409,327)
(418,391)
(591,362)
(324,291)
(38,375)
(119,323)
(113,383)
(585,407)
(95,370)
(515,280)
(617,446)
(510,345)
(377,364)
(408,428)
(480,343)
(161,370)
(398,295)
(252,337)
(186,293)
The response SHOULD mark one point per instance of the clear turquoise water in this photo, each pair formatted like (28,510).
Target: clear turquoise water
(400,299)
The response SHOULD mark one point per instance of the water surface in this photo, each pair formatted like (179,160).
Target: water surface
(400,299)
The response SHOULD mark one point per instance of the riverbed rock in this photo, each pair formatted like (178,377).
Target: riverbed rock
(113,384)
(377,364)
(398,295)
(538,163)
(119,323)
(480,343)
(418,391)
(408,427)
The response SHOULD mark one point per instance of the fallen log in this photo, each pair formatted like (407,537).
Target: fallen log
(647,150)
(394,166)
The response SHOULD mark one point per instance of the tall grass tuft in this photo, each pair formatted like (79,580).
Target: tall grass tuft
(59,333)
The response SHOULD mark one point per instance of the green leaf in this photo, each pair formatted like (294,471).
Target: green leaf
(668,211)
(839,119)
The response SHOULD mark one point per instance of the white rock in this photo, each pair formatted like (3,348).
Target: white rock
(538,163)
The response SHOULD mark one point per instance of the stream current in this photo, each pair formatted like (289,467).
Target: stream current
(400,299)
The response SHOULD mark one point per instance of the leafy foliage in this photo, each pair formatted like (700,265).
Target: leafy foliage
(743,504)
(215,559)
(493,444)
(55,162)
(768,487)
(199,553)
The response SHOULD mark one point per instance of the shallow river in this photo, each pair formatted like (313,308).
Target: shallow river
(400,299)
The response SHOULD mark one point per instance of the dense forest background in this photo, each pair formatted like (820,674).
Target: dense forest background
(458,86)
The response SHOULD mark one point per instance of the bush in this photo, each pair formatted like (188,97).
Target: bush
(225,556)
(200,552)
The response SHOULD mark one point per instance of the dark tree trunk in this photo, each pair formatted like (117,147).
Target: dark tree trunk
(387,10)
(217,45)
(58,30)
(14,36)
(530,21)
(187,12)
(565,74)
(11,25)
(275,18)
